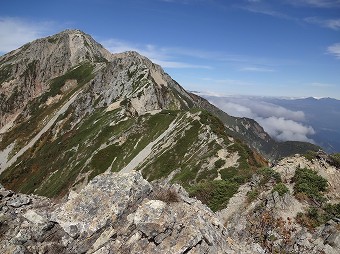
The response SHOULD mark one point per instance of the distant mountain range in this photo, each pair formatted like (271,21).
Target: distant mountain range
(305,119)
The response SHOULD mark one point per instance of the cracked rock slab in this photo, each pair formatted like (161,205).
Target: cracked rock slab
(101,202)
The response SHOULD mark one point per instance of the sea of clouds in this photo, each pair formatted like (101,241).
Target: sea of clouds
(280,123)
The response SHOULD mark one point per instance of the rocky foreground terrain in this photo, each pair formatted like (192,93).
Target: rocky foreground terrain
(114,213)
(123,213)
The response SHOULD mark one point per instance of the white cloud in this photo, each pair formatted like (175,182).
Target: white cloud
(334,50)
(268,8)
(265,10)
(234,82)
(257,69)
(172,64)
(15,32)
(328,23)
(333,24)
(322,85)
(169,56)
(316,3)
(280,123)
(159,55)
(262,109)
(118,46)
(236,109)
(284,129)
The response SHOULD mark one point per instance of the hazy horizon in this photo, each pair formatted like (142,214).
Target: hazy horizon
(300,119)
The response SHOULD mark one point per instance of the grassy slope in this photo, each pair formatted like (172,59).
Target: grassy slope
(54,165)
(26,130)
(67,154)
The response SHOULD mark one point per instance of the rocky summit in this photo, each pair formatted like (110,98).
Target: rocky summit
(106,153)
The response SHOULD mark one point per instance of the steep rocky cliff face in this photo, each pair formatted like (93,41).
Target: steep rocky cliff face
(26,72)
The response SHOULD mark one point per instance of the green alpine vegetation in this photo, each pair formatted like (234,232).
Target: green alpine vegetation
(310,184)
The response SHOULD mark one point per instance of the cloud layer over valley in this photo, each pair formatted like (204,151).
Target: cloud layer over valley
(280,123)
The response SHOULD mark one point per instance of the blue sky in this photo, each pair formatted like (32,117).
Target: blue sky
(245,47)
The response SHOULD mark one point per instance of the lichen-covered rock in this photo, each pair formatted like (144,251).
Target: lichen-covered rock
(24,225)
(18,201)
(168,227)
(175,227)
(114,213)
(101,202)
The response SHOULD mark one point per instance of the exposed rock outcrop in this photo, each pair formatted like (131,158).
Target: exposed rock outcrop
(27,71)
(114,213)
(123,213)
(101,202)
(271,219)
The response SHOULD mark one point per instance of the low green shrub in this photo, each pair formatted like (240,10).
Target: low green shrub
(316,216)
(308,182)
(252,195)
(310,155)
(335,160)
(281,189)
(215,194)
(233,174)
(219,163)
(332,210)
(268,174)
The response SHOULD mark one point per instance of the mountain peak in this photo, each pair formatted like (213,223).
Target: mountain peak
(72,31)
(28,71)
(131,54)
(72,46)
(65,32)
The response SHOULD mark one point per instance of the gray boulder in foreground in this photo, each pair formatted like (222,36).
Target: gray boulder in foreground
(114,213)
